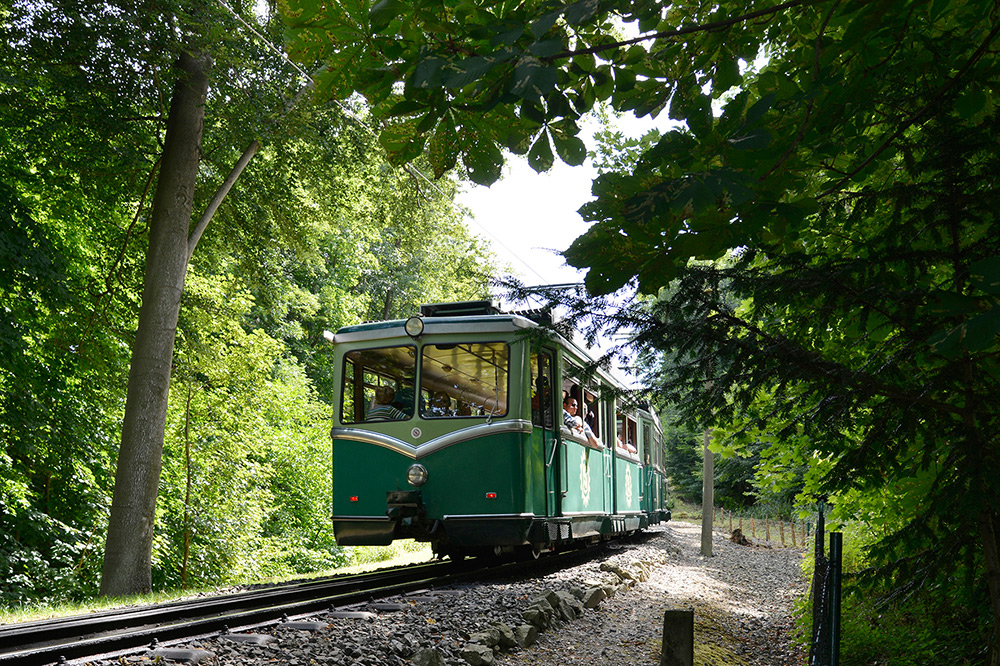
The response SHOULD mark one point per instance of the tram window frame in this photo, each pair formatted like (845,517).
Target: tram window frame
(540,372)
(371,380)
(647,443)
(484,411)
(571,390)
(625,425)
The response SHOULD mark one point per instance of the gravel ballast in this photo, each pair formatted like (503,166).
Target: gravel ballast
(608,610)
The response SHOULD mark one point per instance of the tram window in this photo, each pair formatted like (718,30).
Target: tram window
(647,443)
(541,390)
(378,384)
(590,412)
(625,433)
(465,379)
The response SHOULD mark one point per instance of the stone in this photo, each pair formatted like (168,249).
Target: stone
(477,655)
(490,638)
(506,637)
(526,635)
(536,617)
(429,657)
(593,597)
(623,574)
(569,605)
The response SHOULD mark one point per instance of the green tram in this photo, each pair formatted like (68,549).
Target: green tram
(452,429)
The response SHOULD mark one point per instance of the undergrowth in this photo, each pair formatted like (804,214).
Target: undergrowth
(929,628)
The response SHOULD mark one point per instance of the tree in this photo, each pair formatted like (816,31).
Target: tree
(846,145)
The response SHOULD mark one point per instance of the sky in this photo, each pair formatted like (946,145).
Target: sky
(528,216)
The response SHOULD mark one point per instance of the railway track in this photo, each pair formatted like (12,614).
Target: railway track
(122,630)
(131,630)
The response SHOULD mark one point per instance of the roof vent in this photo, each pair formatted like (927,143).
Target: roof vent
(459,309)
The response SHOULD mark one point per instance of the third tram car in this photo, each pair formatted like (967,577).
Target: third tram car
(466,428)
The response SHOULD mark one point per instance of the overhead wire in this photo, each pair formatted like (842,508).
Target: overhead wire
(350,113)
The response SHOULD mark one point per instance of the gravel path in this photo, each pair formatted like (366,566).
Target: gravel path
(741,599)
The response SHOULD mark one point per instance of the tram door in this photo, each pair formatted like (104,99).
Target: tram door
(544,425)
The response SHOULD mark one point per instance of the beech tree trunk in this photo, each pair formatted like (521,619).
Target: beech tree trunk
(127,558)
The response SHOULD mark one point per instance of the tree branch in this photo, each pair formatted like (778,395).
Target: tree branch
(707,27)
(919,115)
(220,194)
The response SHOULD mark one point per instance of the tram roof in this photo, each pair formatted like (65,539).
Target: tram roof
(503,323)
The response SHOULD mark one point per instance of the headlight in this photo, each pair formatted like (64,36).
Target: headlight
(416,475)
(414,327)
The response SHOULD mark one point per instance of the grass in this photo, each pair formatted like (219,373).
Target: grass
(363,558)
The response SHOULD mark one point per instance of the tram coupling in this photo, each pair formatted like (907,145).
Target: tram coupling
(405,508)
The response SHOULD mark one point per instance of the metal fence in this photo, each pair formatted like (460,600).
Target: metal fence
(825,645)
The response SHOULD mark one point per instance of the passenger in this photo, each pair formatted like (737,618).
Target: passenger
(383,409)
(570,419)
(464,408)
(441,405)
(404,401)
(575,423)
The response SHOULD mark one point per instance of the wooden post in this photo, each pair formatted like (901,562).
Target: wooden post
(678,638)
(781,526)
(767,529)
(707,496)
(793,535)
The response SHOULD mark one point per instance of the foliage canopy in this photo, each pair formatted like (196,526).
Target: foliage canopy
(846,148)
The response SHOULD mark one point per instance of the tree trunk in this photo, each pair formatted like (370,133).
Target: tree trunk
(127,558)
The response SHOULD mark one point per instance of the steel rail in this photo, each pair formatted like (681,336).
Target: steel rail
(50,641)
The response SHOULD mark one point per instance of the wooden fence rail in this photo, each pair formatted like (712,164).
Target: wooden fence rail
(790,533)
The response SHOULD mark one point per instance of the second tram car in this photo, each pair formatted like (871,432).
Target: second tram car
(462,428)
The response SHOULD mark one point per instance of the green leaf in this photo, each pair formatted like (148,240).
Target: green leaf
(533,79)
(727,75)
(546,48)
(383,12)
(507,34)
(985,275)
(402,142)
(540,156)
(443,149)
(470,70)
(570,148)
(519,139)
(581,11)
(483,161)
(427,73)
(981,331)
(544,24)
